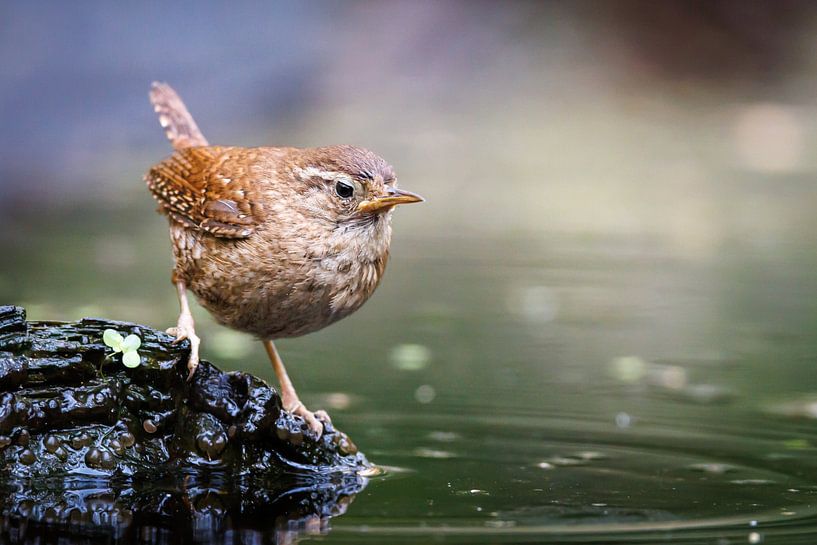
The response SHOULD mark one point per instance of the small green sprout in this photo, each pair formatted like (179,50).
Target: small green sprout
(127,345)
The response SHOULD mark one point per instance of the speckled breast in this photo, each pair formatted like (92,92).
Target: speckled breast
(254,287)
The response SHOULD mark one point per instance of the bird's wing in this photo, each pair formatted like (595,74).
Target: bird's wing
(193,189)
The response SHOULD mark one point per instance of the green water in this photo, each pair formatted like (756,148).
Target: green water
(528,388)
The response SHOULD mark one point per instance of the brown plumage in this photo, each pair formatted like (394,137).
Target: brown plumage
(273,241)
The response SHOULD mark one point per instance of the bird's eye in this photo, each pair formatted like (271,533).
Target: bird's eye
(344,190)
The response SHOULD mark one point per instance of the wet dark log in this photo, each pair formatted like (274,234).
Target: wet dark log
(84,437)
(67,406)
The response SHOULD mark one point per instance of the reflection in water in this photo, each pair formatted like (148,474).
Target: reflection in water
(201,508)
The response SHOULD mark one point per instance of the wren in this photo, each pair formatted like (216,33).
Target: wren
(273,241)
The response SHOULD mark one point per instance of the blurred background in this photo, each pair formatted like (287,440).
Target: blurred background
(685,121)
(619,228)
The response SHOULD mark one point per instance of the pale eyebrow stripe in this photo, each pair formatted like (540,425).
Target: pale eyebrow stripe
(309,172)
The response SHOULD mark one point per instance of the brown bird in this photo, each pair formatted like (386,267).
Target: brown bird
(273,241)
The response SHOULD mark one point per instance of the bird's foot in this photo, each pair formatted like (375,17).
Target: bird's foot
(185,329)
(315,420)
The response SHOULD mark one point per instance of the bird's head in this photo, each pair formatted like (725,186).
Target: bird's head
(349,185)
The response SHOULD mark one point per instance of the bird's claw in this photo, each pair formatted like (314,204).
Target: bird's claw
(184,330)
(314,420)
(323,416)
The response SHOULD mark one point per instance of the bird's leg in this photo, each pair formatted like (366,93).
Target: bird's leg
(185,328)
(289,397)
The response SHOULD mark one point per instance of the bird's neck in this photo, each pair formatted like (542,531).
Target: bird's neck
(364,240)
(359,264)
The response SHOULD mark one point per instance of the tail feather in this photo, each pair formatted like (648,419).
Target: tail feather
(177,122)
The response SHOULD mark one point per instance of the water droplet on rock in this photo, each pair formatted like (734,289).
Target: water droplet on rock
(27,457)
(93,457)
(51,443)
(211,445)
(117,447)
(107,460)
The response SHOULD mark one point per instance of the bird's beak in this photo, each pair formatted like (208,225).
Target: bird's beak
(393,197)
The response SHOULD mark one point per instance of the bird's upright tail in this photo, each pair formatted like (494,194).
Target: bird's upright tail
(174,118)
